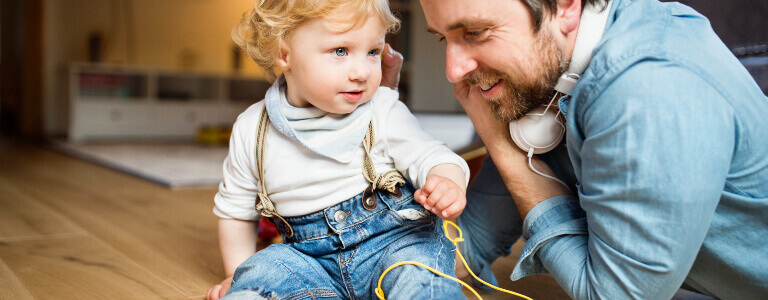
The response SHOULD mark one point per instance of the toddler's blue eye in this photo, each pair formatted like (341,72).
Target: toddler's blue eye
(340,51)
(373,52)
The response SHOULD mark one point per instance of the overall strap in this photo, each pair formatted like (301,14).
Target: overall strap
(264,205)
(388,180)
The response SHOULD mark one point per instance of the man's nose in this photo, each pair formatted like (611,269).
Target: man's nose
(458,63)
(360,70)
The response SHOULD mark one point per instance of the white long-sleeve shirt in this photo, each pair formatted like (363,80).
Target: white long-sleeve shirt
(301,182)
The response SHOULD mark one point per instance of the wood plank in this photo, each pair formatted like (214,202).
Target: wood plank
(171,233)
(10,285)
(80,268)
(22,217)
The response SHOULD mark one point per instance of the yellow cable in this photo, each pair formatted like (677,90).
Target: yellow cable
(380,292)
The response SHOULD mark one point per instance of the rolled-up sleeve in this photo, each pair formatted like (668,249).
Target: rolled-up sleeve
(557,216)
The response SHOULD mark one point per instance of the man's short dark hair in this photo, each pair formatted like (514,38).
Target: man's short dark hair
(537,9)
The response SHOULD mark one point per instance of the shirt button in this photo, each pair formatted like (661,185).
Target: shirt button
(340,216)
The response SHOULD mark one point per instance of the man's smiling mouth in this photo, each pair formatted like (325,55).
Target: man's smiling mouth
(488,86)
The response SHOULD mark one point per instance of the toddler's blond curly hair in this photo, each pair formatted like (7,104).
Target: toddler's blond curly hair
(264,29)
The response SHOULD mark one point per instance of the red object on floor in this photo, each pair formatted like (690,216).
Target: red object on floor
(474,166)
(267,230)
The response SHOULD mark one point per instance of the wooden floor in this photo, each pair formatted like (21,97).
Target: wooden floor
(70,229)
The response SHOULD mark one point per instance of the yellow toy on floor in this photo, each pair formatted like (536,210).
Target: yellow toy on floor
(213,135)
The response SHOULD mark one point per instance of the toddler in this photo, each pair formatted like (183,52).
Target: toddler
(337,162)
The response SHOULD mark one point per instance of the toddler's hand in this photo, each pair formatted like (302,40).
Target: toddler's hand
(442,196)
(219,290)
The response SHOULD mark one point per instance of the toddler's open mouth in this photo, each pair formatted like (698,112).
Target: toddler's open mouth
(353,96)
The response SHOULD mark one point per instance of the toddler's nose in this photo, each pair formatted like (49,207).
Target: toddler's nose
(360,71)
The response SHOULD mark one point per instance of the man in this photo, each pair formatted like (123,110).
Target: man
(665,159)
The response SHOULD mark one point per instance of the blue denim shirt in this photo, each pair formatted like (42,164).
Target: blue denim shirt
(668,142)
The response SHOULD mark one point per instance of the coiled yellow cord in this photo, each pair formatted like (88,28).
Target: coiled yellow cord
(380,292)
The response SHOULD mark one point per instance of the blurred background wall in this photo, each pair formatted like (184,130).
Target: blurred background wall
(168,34)
(41,38)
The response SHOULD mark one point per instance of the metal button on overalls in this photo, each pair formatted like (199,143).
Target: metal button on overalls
(369,199)
(340,216)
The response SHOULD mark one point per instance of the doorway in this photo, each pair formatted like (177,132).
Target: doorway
(21,68)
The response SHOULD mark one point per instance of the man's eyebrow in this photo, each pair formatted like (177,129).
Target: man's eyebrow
(459,25)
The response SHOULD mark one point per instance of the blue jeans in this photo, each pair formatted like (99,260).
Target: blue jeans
(340,253)
(490,223)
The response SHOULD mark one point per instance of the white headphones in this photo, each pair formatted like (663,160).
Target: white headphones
(539,131)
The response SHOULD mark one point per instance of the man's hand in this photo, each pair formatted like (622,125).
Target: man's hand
(488,127)
(391,63)
(219,290)
(442,196)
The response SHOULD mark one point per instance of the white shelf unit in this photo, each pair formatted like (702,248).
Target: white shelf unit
(109,102)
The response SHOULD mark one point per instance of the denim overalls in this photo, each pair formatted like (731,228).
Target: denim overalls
(341,251)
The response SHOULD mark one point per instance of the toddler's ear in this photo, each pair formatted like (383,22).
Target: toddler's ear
(283,59)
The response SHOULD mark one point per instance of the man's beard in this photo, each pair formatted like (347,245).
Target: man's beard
(525,91)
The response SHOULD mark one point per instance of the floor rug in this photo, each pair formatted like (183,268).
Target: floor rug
(171,164)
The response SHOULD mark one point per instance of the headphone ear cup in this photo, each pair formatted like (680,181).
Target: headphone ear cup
(539,130)
(516,134)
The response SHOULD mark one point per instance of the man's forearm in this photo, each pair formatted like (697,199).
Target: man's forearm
(526,187)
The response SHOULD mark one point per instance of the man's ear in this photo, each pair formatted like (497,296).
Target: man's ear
(283,59)
(568,15)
